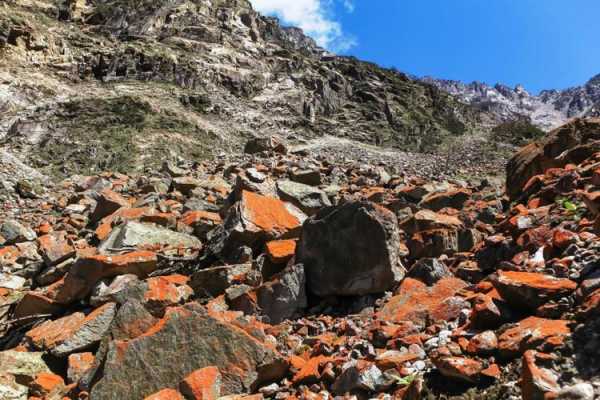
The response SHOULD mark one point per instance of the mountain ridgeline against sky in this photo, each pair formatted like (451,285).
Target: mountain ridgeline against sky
(547,110)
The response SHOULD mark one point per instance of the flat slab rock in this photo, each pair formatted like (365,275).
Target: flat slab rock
(145,235)
(184,341)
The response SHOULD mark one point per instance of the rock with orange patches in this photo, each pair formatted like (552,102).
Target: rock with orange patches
(47,385)
(418,303)
(591,200)
(107,203)
(425,220)
(537,383)
(123,214)
(450,199)
(34,303)
(459,368)
(483,343)
(198,222)
(78,365)
(251,222)
(533,333)
(563,238)
(154,360)
(166,291)
(434,243)
(311,370)
(89,331)
(72,333)
(531,290)
(352,249)
(486,313)
(52,333)
(165,394)
(392,359)
(281,251)
(88,271)
(203,384)
(55,248)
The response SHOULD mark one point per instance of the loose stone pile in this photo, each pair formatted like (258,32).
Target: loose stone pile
(282,276)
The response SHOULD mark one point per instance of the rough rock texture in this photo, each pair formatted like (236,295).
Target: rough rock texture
(244,361)
(570,143)
(352,249)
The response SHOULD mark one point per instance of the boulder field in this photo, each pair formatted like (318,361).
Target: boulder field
(280,275)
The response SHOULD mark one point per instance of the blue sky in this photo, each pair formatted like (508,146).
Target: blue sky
(538,43)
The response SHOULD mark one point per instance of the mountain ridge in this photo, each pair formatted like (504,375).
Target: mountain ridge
(548,110)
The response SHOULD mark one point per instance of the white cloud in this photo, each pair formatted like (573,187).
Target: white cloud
(349,5)
(314,17)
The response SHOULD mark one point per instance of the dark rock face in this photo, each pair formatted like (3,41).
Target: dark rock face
(186,340)
(571,143)
(350,250)
(429,271)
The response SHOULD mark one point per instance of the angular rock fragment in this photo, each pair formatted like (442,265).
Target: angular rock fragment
(450,199)
(154,360)
(351,250)
(214,281)
(203,384)
(14,232)
(537,383)
(533,333)
(460,368)
(88,271)
(24,366)
(55,248)
(418,303)
(11,390)
(107,203)
(531,290)
(144,236)
(278,299)
(79,365)
(429,271)
(251,222)
(307,198)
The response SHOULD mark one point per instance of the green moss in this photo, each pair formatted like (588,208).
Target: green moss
(119,134)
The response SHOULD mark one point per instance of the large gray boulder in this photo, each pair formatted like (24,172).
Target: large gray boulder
(186,340)
(352,249)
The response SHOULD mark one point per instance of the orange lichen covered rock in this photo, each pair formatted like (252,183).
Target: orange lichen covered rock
(165,394)
(55,248)
(533,333)
(537,382)
(418,303)
(203,384)
(460,368)
(281,251)
(531,290)
(87,271)
(47,385)
(78,365)
(166,291)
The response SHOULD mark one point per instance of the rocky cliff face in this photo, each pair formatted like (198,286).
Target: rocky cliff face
(115,84)
(548,110)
